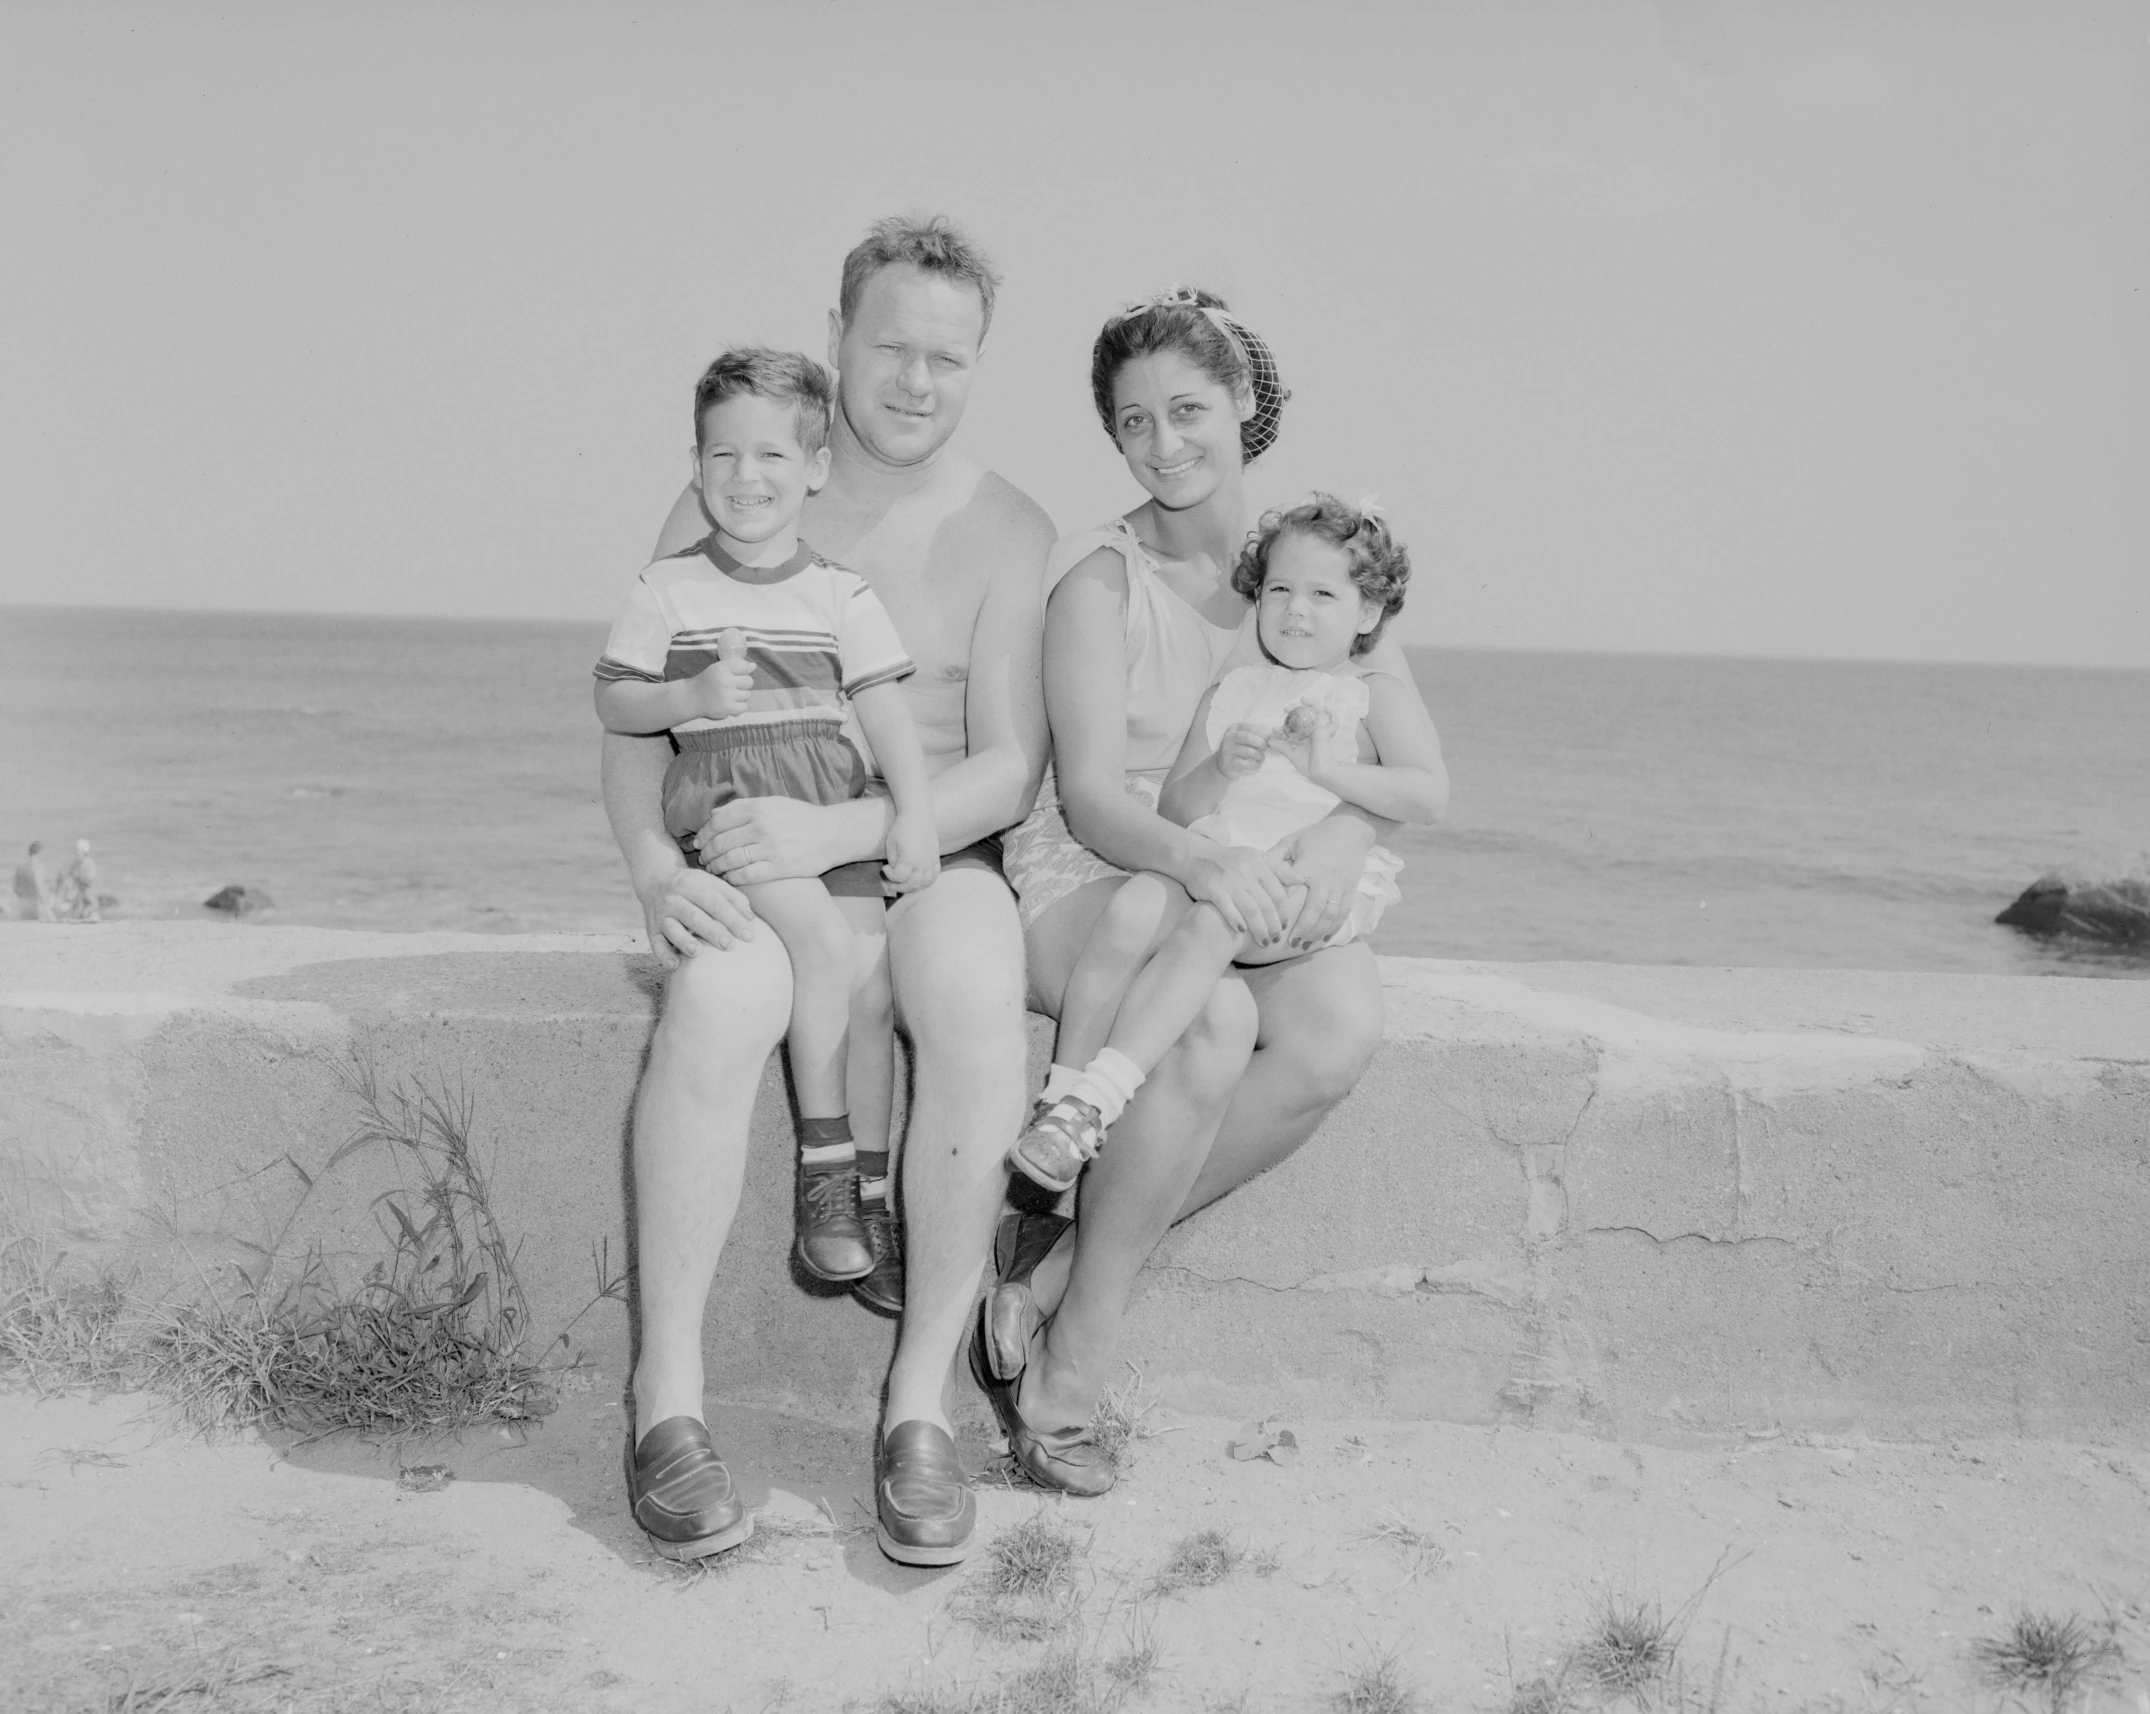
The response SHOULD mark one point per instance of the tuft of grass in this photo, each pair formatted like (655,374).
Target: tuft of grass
(1122,1418)
(1374,1685)
(1539,1696)
(429,1341)
(1069,1678)
(1627,1648)
(1197,1561)
(1025,1590)
(211,1680)
(1421,1554)
(2046,1657)
(63,1325)
(1037,1556)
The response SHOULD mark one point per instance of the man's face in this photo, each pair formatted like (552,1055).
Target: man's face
(904,361)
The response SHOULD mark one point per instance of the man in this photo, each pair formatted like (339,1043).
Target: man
(956,555)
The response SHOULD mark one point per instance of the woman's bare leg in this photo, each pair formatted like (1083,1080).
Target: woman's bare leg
(1130,1192)
(1321,1020)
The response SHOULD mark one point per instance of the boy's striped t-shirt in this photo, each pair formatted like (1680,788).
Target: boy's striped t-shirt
(815,633)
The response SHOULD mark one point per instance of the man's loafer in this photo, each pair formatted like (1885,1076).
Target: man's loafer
(883,1288)
(681,1494)
(924,1511)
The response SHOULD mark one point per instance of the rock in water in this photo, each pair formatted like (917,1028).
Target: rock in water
(238,901)
(2115,913)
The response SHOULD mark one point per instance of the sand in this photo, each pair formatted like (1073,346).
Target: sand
(142,1562)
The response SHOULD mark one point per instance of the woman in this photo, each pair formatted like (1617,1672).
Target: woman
(1140,617)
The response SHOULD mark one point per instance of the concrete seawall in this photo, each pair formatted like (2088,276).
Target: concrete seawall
(1644,1202)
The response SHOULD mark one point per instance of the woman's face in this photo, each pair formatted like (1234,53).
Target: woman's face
(1177,429)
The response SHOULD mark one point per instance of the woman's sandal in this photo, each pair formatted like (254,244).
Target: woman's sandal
(1068,1459)
(1011,1313)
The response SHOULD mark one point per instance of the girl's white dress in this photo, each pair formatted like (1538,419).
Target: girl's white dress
(1277,800)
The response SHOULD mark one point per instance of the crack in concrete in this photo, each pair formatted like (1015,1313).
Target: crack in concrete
(1735,1241)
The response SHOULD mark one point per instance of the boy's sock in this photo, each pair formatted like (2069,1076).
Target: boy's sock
(1108,1083)
(873,1173)
(826,1142)
(1059,1079)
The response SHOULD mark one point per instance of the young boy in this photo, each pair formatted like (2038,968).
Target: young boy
(749,648)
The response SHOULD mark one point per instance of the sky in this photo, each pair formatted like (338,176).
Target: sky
(1702,326)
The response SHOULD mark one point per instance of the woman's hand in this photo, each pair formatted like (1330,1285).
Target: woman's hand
(1327,859)
(687,909)
(1247,887)
(1243,750)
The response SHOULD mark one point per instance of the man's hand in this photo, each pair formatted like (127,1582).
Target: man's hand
(755,839)
(1327,859)
(689,910)
(914,857)
(1243,750)
(720,689)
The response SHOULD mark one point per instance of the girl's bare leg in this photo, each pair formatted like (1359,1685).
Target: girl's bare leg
(1141,913)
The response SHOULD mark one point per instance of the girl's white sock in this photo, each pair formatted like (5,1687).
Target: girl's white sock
(1108,1083)
(1059,1079)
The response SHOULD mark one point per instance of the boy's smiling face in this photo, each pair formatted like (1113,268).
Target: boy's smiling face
(754,474)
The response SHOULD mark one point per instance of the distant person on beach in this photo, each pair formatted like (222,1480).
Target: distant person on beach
(955,554)
(1274,748)
(1141,616)
(34,900)
(75,891)
(749,648)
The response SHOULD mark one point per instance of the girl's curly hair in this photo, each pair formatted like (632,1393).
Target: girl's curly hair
(1379,564)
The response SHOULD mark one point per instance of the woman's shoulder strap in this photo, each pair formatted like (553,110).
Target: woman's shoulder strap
(1070,551)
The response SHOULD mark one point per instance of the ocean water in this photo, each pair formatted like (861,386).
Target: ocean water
(399,773)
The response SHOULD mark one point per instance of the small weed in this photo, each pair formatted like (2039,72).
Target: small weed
(211,1680)
(1066,1679)
(1196,1561)
(62,1325)
(1035,1557)
(1025,1591)
(1627,1648)
(1374,1685)
(1421,1554)
(1134,1667)
(1122,1418)
(2045,1657)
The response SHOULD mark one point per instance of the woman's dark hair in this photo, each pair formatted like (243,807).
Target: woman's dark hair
(1379,565)
(1198,325)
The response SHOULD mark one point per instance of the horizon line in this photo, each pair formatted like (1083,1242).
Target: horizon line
(496,620)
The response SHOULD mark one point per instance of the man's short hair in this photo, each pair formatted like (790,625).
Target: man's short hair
(931,243)
(778,375)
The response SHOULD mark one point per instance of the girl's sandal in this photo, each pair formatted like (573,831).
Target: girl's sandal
(1068,1459)
(1011,1313)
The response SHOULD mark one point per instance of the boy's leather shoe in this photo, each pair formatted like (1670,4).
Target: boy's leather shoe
(924,1511)
(832,1242)
(681,1494)
(882,1289)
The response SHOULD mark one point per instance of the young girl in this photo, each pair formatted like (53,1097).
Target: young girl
(1272,750)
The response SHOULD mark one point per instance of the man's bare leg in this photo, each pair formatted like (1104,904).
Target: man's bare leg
(956,957)
(723,1013)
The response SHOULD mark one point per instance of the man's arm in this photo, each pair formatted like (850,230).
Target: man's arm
(684,525)
(1006,745)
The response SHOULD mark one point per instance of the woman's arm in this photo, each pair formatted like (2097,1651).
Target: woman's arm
(1086,703)
(1407,781)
